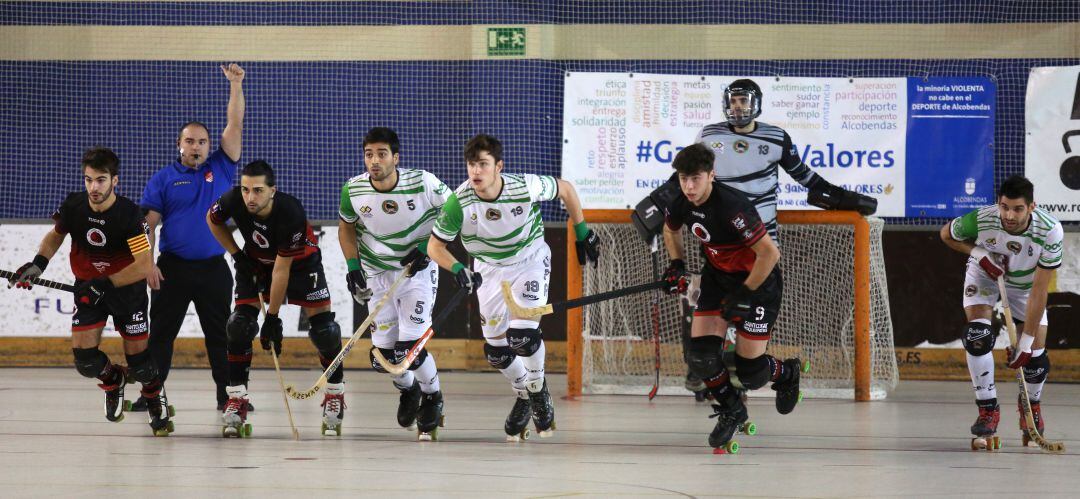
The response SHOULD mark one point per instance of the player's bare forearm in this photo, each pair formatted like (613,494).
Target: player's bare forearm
(231,136)
(569,197)
(279,283)
(673,243)
(436,250)
(223,235)
(964,247)
(347,239)
(1036,303)
(768,255)
(133,273)
(50,243)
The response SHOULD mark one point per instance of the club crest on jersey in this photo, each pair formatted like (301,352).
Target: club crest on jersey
(700,231)
(260,239)
(472,218)
(739,222)
(741,146)
(970,290)
(209,176)
(990,242)
(1014,247)
(95,237)
(389,207)
(717,146)
(492,214)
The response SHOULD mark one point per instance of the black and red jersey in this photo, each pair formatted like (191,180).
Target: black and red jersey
(102,243)
(726,223)
(286,232)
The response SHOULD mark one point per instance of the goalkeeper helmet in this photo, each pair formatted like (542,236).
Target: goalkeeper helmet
(742,115)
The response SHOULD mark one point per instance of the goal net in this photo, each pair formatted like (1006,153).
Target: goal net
(819,319)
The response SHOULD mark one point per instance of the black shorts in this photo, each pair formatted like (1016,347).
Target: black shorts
(715,286)
(307,284)
(127,306)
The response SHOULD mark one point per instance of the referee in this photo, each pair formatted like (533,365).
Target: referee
(191,266)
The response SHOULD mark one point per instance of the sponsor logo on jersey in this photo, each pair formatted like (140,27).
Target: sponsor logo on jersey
(209,176)
(259,239)
(969,186)
(389,207)
(492,214)
(1014,246)
(95,237)
(180,182)
(697,214)
(528,296)
(137,328)
(739,221)
(365,211)
(321,294)
(100,266)
(416,320)
(259,225)
(755,327)
(717,146)
(99,222)
(970,290)
(700,231)
(748,234)
(741,146)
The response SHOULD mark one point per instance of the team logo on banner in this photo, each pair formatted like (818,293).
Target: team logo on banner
(741,146)
(389,207)
(493,214)
(95,237)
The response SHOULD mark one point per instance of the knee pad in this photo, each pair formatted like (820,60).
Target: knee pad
(1037,368)
(89,362)
(524,342)
(243,325)
(753,373)
(388,353)
(401,350)
(703,356)
(325,334)
(142,367)
(498,357)
(978,340)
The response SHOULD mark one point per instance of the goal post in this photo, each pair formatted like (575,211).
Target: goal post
(835,310)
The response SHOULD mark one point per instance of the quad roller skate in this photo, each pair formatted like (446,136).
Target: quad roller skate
(430,418)
(731,417)
(408,405)
(517,423)
(788,394)
(160,414)
(985,428)
(115,405)
(542,409)
(333,405)
(234,415)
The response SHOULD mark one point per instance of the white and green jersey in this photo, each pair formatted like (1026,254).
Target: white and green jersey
(390,224)
(1039,245)
(503,231)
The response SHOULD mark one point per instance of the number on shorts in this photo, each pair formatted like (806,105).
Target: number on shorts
(314,280)
(532,286)
(419,308)
(760,313)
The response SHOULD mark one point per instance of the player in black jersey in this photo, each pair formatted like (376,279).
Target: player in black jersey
(280,263)
(741,286)
(110,256)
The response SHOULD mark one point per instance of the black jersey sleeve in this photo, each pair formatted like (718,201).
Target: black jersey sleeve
(794,166)
(743,219)
(136,230)
(62,216)
(675,212)
(291,228)
(222,209)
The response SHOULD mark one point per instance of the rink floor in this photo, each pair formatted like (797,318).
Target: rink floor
(55,442)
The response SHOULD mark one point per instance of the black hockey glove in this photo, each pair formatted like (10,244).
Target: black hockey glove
(467,279)
(589,246)
(270,334)
(830,197)
(358,286)
(244,264)
(738,304)
(93,291)
(418,260)
(28,272)
(676,277)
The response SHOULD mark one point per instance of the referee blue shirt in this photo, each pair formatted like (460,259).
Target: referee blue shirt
(183,196)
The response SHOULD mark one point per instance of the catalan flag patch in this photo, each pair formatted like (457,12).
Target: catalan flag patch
(138,244)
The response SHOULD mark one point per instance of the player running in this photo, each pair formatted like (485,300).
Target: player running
(110,256)
(1022,243)
(498,217)
(740,286)
(386,218)
(280,257)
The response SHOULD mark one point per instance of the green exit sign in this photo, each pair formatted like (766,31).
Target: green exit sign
(506,41)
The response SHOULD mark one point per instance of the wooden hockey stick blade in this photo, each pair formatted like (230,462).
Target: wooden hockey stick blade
(528,312)
(296,394)
(7,274)
(414,352)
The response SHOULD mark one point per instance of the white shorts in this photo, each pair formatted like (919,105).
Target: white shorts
(407,315)
(980,289)
(529,281)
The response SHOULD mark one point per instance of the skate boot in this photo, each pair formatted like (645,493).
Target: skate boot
(1036,414)
(517,423)
(985,428)
(333,405)
(788,393)
(731,416)
(159,413)
(234,416)
(430,417)
(408,405)
(543,411)
(114,396)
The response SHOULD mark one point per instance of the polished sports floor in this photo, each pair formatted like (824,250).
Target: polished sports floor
(55,442)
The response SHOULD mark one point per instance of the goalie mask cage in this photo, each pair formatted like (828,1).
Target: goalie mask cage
(835,310)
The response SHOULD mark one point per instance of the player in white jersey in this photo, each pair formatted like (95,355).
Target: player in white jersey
(386,218)
(1023,243)
(498,217)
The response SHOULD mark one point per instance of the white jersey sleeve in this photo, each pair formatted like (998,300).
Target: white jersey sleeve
(541,187)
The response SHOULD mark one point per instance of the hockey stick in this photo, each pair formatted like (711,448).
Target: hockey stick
(280,378)
(410,357)
(289,389)
(7,274)
(524,312)
(655,252)
(1032,431)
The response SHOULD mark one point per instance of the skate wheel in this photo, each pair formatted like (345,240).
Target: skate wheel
(998,443)
(731,447)
(442,421)
(806,366)
(225,432)
(800,397)
(699,396)
(748,428)
(127,406)
(161,432)
(245,431)
(170,426)
(519,437)
(171,411)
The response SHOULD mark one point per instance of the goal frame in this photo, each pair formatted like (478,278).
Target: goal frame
(861,287)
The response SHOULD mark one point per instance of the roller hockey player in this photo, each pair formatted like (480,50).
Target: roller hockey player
(280,263)
(110,256)
(498,217)
(1023,243)
(386,218)
(740,286)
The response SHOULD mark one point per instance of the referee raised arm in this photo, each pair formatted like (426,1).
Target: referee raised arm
(191,266)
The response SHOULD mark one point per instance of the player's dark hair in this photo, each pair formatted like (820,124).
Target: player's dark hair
(483,143)
(1016,187)
(180,134)
(694,159)
(383,135)
(259,168)
(101,159)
